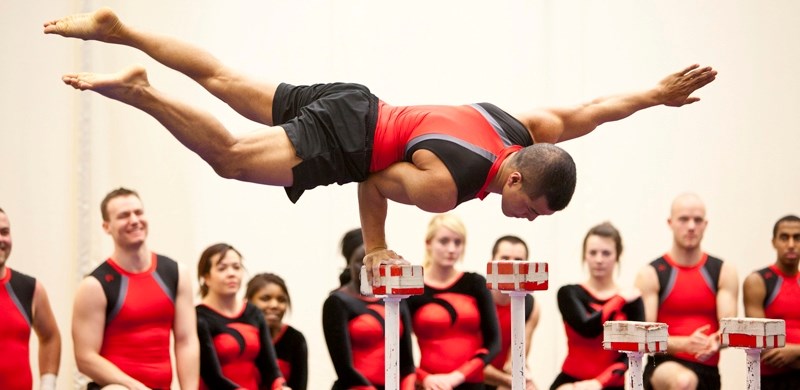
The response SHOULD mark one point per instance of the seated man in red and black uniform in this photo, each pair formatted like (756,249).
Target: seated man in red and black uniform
(690,291)
(24,306)
(774,292)
(432,157)
(125,310)
(497,374)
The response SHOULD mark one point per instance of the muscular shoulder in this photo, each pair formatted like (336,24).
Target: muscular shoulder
(90,294)
(440,193)
(544,125)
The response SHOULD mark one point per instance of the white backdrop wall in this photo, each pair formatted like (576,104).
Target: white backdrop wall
(63,150)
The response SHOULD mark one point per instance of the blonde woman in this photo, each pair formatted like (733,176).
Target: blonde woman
(454,320)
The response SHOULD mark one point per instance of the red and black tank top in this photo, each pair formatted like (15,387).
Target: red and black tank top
(16,316)
(140,311)
(471,140)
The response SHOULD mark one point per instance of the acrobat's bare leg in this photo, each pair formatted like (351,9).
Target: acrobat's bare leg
(249,97)
(265,156)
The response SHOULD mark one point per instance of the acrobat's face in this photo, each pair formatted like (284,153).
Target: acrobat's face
(127,223)
(273,302)
(5,239)
(517,203)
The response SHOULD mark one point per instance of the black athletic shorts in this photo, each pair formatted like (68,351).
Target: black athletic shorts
(784,381)
(95,386)
(707,376)
(563,379)
(332,127)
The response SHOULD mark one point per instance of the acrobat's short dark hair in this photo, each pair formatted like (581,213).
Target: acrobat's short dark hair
(547,170)
(787,218)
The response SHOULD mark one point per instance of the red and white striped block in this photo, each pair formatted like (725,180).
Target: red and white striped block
(512,275)
(395,280)
(635,336)
(753,332)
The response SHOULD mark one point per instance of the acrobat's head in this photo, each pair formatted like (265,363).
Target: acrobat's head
(541,181)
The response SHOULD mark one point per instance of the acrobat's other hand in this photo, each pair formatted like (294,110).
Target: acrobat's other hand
(675,89)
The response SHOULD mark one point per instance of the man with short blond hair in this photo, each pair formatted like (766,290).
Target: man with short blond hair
(690,291)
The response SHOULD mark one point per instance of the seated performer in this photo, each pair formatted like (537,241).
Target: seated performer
(433,157)
(454,319)
(774,292)
(354,330)
(690,291)
(269,293)
(586,307)
(24,306)
(498,374)
(235,345)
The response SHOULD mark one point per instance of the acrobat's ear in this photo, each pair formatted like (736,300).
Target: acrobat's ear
(514,178)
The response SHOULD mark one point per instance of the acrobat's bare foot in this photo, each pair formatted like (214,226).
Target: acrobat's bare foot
(123,85)
(101,25)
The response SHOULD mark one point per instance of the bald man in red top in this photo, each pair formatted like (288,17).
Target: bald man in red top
(127,309)
(690,291)
(24,306)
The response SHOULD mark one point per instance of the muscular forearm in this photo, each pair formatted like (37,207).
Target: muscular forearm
(494,377)
(49,355)
(187,360)
(677,344)
(103,372)
(581,120)
(372,206)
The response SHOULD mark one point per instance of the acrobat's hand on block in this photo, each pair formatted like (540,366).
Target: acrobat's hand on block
(517,278)
(512,275)
(395,280)
(753,334)
(635,338)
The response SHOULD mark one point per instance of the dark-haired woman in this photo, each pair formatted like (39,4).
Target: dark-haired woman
(235,346)
(269,293)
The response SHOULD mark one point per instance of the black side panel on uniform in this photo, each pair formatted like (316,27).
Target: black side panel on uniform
(713,266)
(167,270)
(469,170)
(665,277)
(771,282)
(528,306)
(24,287)
(111,281)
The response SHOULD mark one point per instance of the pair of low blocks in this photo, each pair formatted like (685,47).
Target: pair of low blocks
(500,275)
